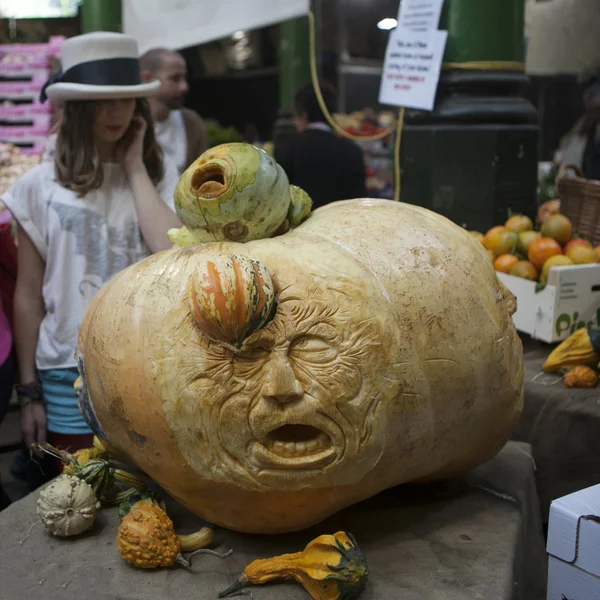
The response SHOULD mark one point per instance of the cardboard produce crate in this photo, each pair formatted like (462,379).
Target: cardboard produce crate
(574,546)
(571,300)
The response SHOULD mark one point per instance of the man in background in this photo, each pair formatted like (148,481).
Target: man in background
(325,166)
(180,131)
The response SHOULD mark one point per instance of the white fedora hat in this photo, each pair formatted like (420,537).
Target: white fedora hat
(98,66)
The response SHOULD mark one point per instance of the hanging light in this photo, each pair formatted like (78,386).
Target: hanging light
(387,24)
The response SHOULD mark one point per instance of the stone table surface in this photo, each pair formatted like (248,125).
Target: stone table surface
(479,538)
(563,427)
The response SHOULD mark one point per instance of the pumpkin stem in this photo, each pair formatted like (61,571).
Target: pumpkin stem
(187,562)
(241,583)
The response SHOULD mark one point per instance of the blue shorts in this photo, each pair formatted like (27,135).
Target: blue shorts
(62,413)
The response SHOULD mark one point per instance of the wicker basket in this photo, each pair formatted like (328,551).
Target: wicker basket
(580,202)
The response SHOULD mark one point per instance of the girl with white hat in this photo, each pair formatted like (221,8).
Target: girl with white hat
(105,202)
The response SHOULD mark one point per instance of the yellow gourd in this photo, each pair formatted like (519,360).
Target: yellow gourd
(82,457)
(331,567)
(581,377)
(146,538)
(580,348)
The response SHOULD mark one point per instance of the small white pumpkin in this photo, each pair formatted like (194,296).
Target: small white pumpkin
(67,506)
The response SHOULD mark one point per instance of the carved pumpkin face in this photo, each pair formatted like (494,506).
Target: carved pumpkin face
(390,357)
(297,405)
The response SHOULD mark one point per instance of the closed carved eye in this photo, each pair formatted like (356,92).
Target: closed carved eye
(312,348)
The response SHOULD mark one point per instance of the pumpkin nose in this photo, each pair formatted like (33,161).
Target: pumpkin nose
(281,384)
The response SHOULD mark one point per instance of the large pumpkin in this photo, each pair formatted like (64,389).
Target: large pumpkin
(269,384)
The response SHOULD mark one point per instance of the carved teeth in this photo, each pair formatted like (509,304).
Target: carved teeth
(312,446)
(290,449)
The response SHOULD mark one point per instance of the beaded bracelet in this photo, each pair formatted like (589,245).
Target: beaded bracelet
(28,393)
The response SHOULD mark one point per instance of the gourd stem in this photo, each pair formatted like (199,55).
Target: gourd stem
(65,457)
(187,562)
(194,541)
(241,583)
(269,569)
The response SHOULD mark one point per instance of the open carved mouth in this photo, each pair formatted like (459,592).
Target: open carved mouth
(209,181)
(297,440)
(295,447)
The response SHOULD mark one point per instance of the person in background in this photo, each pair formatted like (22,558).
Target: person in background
(581,146)
(7,371)
(104,202)
(327,167)
(180,131)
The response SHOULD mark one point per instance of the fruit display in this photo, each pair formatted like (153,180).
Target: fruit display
(13,164)
(579,356)
(517,249)
(267,385)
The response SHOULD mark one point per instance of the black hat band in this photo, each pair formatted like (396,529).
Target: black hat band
(102,72)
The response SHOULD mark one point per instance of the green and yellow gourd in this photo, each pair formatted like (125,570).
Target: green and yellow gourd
(231,297)
(331,567)
(236,192)
(110,485)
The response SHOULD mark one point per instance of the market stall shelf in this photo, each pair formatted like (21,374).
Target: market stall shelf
(562,425)
(480,538)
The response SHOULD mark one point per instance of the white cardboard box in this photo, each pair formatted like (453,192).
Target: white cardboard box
(574,546)
(570,301)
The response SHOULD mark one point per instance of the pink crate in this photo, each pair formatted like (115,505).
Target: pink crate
(21,90)
(37,148)
(22,134)
(24,49)
(20,112)
(29,107)
(36,129)
(30,69)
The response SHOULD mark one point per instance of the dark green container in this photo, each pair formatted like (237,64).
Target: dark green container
(484,30)
(101,15)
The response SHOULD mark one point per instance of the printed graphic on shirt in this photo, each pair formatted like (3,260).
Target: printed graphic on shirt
(105,249)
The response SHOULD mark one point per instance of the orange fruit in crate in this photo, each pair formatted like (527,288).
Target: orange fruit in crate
(504,242)
(518,223)
(491,234)
(582,255)
(554,261)
(525,270)
(551,207)
(557,227)
(575,242)
(504,262)
(597,251)
(541,250)
(525,238)
(477,235)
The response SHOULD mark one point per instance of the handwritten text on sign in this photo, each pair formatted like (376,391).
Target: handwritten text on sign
(419,15)
(412,69)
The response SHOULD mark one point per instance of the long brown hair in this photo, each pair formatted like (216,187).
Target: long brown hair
(76,162)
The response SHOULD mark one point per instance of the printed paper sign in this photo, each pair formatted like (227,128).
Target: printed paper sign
(419,15)
(412,68)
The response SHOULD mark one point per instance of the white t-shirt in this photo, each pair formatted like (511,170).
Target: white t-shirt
(171,136)
(83,241)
